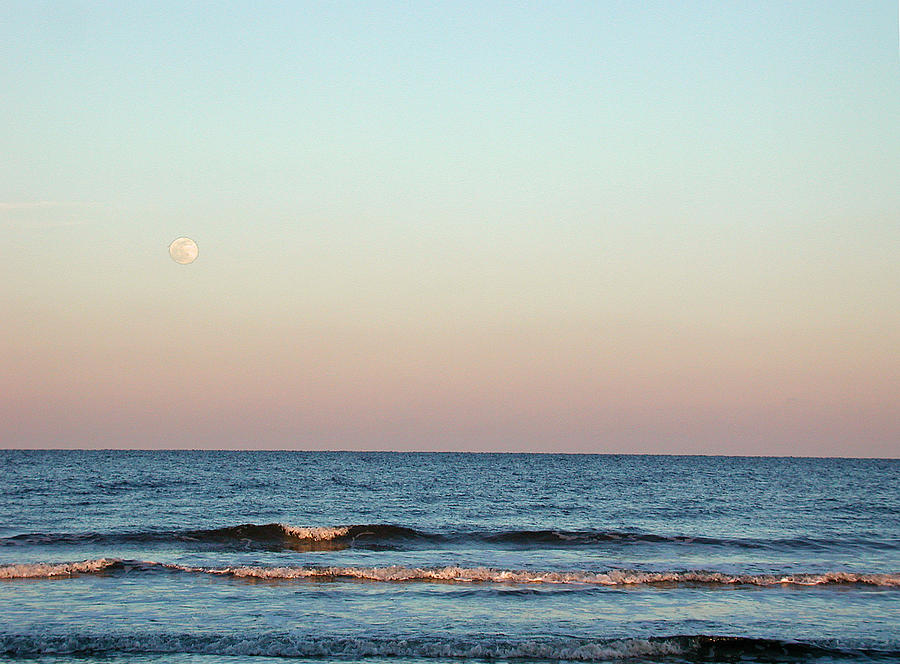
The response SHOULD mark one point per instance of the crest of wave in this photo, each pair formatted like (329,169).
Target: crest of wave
(317,533)
(455,574)
(46,570)
(484,574)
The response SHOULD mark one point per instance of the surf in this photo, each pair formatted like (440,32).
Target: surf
(452,574)
(374,535)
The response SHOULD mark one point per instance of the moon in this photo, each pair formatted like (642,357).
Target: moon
(184,250)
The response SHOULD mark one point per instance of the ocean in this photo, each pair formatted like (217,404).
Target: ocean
(210,557)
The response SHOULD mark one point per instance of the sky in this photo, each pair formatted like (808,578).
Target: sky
(613,227)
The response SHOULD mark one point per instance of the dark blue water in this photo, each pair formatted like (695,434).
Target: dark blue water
(225,556)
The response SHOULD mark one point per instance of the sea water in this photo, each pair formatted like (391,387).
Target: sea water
(195,556)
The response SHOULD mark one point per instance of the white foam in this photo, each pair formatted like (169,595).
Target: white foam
(489,575)
(399,574)
(317,533)
(47,570)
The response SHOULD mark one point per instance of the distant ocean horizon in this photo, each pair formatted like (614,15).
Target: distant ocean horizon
(448,451)
(207,555)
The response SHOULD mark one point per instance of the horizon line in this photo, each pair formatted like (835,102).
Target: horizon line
(387,451)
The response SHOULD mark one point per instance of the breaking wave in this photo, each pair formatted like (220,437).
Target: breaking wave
(696,648)
(451,574)
(49,570)
(248,535)
(278,535)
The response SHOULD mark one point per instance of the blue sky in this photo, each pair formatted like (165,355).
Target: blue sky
(583,226)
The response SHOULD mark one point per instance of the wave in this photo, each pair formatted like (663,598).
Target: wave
(556,538)
(451,574)
(667,648)
(285,536)
(305,537)
(576,537)
(49,570)
(248,535)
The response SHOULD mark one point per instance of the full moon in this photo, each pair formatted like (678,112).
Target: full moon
(184,250)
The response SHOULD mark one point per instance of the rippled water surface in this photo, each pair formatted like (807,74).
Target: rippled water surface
(205,556)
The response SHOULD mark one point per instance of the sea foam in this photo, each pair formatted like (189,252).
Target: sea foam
(48,570)
(453,574)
